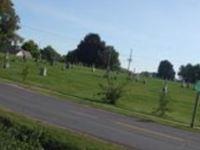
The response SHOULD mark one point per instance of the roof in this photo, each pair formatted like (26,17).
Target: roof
(23,53)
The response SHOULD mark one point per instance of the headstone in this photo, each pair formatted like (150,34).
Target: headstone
(43,72)
(183,84)
(64,67)
(165,89)
(137,78)
(188,85)
(7,63)
(93,68)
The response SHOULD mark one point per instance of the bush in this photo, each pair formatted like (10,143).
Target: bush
(14,135)
(163,104)
(22,134)
(25,73)
(111,91)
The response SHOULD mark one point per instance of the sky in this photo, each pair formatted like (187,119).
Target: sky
(154,29)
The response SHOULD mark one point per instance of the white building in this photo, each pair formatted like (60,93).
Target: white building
(24,54)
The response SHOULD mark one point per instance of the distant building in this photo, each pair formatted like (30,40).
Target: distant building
(23,54)
(12,46)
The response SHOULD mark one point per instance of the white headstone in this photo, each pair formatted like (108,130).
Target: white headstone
(93,68)
(45,72)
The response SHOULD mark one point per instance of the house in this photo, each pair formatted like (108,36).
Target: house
(23,54)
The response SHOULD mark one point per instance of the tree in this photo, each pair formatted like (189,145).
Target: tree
(112,91)
(50,54)
(110,54)
(166,70)
(9,23)
(33,48)
(93,51)
(163,106)
(25,73)
(190,73)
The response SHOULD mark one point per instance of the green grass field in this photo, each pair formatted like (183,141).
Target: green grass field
(25,134)
(82,85)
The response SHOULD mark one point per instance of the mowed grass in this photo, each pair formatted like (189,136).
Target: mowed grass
(19,132)
(82,85)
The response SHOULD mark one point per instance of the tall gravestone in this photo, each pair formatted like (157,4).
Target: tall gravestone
(165,88)
(43,71)
(183,84)
(7,63)
(93,68)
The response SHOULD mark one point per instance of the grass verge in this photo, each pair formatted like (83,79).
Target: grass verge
(26,134)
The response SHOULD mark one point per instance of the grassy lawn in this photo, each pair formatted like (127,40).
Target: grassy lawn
(82,85)
(25,134)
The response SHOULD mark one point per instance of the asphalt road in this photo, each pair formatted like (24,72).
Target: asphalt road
(128,131)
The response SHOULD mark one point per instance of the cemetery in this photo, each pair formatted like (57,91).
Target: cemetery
(81,84)
(73,76)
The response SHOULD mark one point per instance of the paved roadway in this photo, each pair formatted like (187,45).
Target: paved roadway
(131,132)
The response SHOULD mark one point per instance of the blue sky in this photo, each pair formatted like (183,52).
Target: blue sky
(154,29)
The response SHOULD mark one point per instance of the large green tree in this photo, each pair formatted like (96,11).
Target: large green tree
(50,54)
(190,73)
(93,51)
(9,23)
(32,47)
(166,70)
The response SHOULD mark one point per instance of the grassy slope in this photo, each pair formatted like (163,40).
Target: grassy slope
(82,85)
(26,134)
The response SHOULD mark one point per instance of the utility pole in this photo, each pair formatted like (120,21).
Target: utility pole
(195,110)
(129,64)
(130,60)
(197,88)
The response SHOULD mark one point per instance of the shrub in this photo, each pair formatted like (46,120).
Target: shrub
(163,104)
(25,73)
(111,91)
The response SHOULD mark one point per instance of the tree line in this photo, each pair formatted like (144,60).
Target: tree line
(188,73)
(91,50)
(47,53)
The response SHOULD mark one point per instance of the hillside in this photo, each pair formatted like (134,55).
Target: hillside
(82,85)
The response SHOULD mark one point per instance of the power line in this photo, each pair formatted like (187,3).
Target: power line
(52,34)
(48,32)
